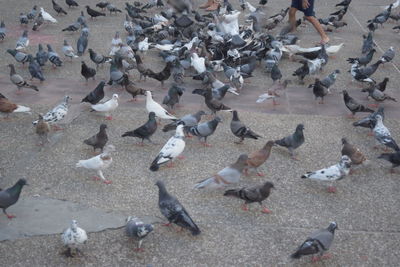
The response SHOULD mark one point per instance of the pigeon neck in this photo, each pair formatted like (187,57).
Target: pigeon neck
(12,70)
(15,190)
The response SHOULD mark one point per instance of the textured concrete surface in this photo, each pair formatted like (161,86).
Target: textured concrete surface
(365,206)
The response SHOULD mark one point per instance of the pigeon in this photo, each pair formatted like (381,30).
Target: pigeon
(173,210)
(382,17)
(19,56)
(355,155)
(240,130)
(214,104)
(257,193)
(226,176)
(132,89)
(330,80)
(87,72)
(3,31)
(23,41)
(332,173)
(46,16)
(23,19)
(376,94)
(161,76)
(82,43)
(73,237)
(363,74)
(293,141)
(365,59)
(107,107)
(82,20)
(10,196)
(368,43)
(71,3)
(34,69)
(53,57)
(382,85)
(117,76)
(257,158)
(141,68)
(272,92)
(7,107)
(276,73)
(173,96)
(72,27)
(58,8)
(382,134)
(205,129)
(41,56)
(98,140)
(146,130)
(353,105)
(99,163)
(19,81)
(112,8)
(32,14)
(317,243)
(393,158)
(102,4)
(57,113)
(388,55)
(93,13)
(68,50)
(172,149)
(97,58)
(96,95)
(153,106)
(39,21)
(189,120)
(198,63)
(370,121)
(138,230)
(42,129)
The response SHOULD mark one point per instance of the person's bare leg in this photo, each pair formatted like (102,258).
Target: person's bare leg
(292,18)
(318,27)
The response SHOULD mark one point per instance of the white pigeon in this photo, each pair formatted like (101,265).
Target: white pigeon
(23,41)
(107,107)
(143,45)
(116,42)
(98,163)
(73,237)
(250,7)
(46,16)
(333,49)
(332,173)
(315,65)
(153,106)
(68,50)
(172,149)
(230,24)
(198,63)
(189,45)
(164,47)
(57,113)
(227,176)
(382,134)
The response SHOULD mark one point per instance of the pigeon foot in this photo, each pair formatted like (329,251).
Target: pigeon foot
(260,174)
(109,118)
(331,189)
(244,207)
(107,182)
(181,157)
(96,178)
(266,210)
(9,216)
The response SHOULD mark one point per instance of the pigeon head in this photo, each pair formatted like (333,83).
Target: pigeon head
(268,185)
(300,127)
(201,113)
(74,224)
(378,118)
(22,182)
(67,98)
(179,130)
(148,228)
(103,126)
(243,158)
(235,116)
(152,115)
(345,162)
(332,227)
(269,144)
(344,141)
(148,94)
(337,71)
(115,96)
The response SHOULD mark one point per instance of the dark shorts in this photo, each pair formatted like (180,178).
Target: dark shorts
(309,12)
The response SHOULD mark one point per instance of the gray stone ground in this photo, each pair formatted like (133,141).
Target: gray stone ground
(365,206)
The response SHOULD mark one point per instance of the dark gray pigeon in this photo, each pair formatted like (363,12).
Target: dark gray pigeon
(138,230)
(146,130)
(82,43)
(276,73)
(41,56)
(353,105)
(317,243)
(34,69)
(53,56)
(363,60)
(330,80)
(173,96)
(293,141)
(97,58)
(368,43)
(10,196)
(252,194)
(393,158)
(319,90)
(96,95)
(205,129)
(98,140)
(72,27)
(87,72)
(189,120)
(173,210)
(240,130)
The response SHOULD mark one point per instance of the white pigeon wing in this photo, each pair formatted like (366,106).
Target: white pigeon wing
(328,174)
(173,148)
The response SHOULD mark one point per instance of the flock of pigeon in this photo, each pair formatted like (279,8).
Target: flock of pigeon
(189,42)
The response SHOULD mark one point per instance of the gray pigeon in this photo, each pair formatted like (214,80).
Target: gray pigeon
(97,58)
(98,140)
(18,80)
(19,56)
(72,27)
(252,194)
(173,210)
(368,43)
(23,41)
(146,130)
(227,176)
(388,55)
(240,130)
(205,129)
(363,60)
(330,80)
(3,31)
(38,22)
(138,230)
(370,121)
(32,14)
(10,196)
(276,73)
(173,96)
(53,57)
(41,56)
(293,141)
(189,120)
(353,105)
(23,19)
(318,242)
(34,69)
(82,43)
